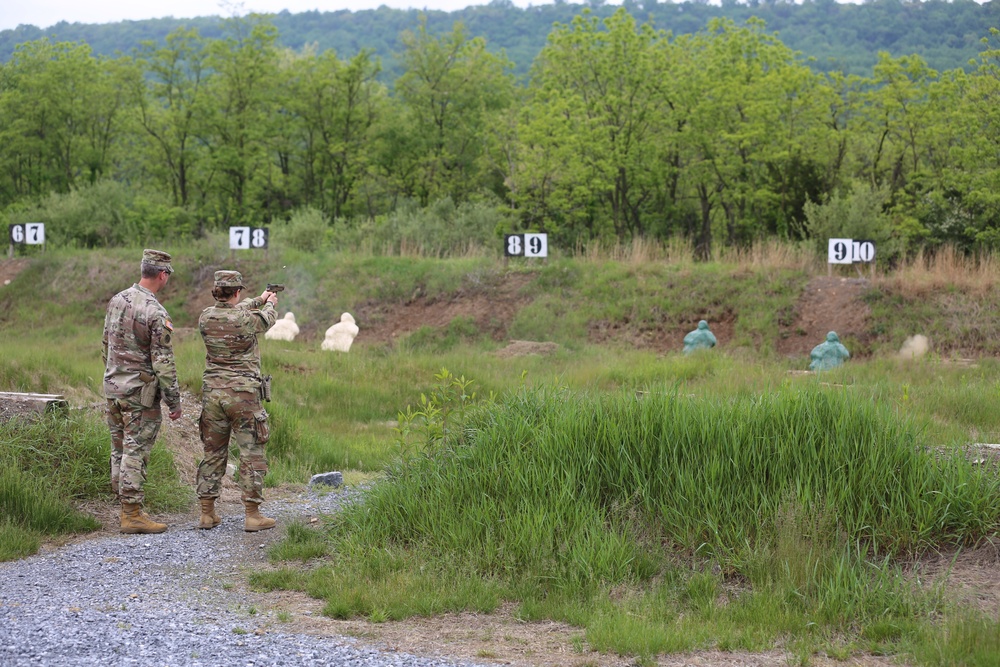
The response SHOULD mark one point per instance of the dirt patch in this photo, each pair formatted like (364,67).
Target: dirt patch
(490,305)
(10,268)
(971,576)
(503,638)
(828,303)
(662,336)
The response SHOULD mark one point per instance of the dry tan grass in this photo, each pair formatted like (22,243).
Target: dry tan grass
(771,254)
(764,254)
(676,251)
(945,268)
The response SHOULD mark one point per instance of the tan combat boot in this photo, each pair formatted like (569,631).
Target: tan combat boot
(255,521)
(209,519)
(134,521)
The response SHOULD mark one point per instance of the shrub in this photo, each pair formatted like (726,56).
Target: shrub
(440,230)
(855,214)
(307,229)
(107,214)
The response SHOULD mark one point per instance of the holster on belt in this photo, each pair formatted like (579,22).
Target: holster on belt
(265,388)
(147,395)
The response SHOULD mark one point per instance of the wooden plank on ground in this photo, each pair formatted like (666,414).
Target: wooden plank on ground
(28,402)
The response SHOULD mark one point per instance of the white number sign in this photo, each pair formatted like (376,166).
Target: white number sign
(526,245)
(849,251)
(245,238)
(536,245)
(31,233)
(239,238)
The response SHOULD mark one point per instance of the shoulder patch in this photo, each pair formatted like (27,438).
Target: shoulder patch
(168,325)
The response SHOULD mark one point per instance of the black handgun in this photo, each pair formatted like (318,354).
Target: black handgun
(275,287)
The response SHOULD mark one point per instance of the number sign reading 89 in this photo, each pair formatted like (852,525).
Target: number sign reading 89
(526,245)
(849,251)
(30,233)
(245,238)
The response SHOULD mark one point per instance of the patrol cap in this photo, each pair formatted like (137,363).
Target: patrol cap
(157,259)
(228,279)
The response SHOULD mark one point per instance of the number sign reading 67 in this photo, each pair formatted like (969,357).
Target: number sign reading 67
(31,233)
(246,238)
(848,251)
(526,245)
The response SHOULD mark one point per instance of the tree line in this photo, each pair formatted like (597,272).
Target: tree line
(838,36)
(722,135)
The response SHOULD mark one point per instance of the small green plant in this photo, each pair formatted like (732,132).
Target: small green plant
(440,411)
(284,616)
(239,631)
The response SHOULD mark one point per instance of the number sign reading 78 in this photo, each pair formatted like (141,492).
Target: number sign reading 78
(526,245)
(848,251)
(30,233)
(245,238)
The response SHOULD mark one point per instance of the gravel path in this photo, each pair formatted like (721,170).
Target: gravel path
(154,600)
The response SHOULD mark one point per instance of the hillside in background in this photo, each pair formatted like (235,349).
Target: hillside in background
(842,37)
(777,305)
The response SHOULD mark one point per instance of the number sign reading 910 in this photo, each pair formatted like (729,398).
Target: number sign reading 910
(30,233)
(526,245)
(246,238)
(849,251)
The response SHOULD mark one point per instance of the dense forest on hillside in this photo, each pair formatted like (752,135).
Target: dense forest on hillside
(723,135)
(842,37)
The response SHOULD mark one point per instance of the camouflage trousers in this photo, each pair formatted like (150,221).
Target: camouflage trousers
(237,413)
(133,432)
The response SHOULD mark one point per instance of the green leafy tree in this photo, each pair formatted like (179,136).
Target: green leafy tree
(752,135)
(967,206)
(334,108)
(596,103)
(62,113)
(171,102)
(451,90)
(240,117)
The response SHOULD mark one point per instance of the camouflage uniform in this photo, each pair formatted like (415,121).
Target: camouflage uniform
(139,364)
(231,391)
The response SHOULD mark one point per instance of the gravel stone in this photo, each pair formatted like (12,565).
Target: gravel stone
(333,479)
(158,600)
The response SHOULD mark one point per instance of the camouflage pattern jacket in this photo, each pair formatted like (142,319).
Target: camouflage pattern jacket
(137,346)
(232,355)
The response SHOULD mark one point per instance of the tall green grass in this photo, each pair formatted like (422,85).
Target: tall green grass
(49,464)
(801,496)
(569,484)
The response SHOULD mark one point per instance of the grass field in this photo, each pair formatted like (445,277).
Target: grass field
(661,502)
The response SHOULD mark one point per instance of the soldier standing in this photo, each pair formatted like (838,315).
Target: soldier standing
(232,389)
(138,371)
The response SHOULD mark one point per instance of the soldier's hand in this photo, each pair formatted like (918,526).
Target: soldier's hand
(269,297)
(176,414)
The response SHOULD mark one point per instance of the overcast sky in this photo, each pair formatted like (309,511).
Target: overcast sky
(45,13)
